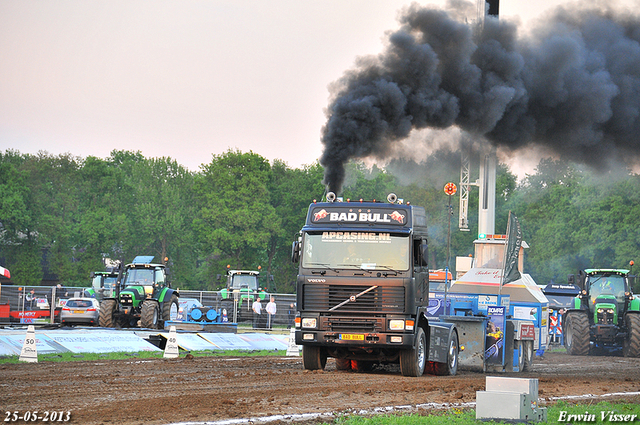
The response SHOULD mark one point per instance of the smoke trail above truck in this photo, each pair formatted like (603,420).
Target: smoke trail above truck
(570,86)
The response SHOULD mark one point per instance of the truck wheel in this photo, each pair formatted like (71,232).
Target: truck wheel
(149,315)
(313,358)
(528,355)
(107,307)
(450,367)
(631,345)
(169,309)
(412,361)
(576,333)
(343,364)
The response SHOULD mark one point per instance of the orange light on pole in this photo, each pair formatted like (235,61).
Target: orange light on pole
(450,189)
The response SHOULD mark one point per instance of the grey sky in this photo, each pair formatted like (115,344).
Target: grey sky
(185,79)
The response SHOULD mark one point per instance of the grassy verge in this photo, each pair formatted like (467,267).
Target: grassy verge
(558,413)
(72,357)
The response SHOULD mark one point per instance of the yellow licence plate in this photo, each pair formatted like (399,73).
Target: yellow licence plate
(352,337)
(78,311)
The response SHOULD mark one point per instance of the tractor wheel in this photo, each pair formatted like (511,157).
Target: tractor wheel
(631,346)
(343,364)
(149,316)
(576,334)
(527,347)
(313,358)
(169,309)
(450,367)
(107,308)
(413,361)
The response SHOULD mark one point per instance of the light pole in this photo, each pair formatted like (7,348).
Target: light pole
(450,189)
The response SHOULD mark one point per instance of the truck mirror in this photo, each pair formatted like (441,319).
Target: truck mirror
(92,275)
(424,254)
(218,277)
(571,279)
(295,252)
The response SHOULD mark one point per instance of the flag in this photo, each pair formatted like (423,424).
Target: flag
(512,251)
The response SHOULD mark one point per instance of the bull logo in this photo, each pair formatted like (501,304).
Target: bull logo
(320,215)
(397,217)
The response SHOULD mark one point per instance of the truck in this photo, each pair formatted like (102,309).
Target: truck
(604,315)
(241,289)
(363,289)
(143,295)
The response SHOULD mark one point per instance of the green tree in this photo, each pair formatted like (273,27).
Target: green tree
(235,220)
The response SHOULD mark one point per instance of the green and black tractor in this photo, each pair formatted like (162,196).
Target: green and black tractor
(241,289)
(142,296)
(605,314)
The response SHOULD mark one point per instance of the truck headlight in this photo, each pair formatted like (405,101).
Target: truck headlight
(396,325)
(309,322)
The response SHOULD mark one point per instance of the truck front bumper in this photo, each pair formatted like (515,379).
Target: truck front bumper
(354,339)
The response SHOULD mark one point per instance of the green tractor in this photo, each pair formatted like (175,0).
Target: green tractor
(103,284)
(241,289)
(142,295)
(604,315)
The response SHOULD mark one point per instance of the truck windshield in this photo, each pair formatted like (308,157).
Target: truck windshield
(606,285)
(244,281)
(139,277)
(362,250)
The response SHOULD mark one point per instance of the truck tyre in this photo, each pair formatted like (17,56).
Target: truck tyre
(576,336)
(631,345)
(313,358)
(343,364)
(107,308)
(169,309)
(412,361)
(149,316)
(528,354)
(450,367)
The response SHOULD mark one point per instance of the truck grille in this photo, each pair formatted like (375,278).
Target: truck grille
(347,324)
(382,299)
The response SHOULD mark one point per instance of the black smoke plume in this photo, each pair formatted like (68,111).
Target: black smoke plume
(572,86)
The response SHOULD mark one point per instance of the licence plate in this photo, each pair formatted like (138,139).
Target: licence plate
(78,311)
(352,337)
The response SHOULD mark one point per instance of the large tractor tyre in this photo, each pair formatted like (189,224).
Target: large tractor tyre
(450,367)
(413,360)
(107,308)
(150,314)
(169,309)
(631,345)
(528,354)
(343,364)
(576,333)
(313,358)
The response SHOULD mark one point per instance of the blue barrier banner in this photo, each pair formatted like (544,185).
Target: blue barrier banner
(225,341)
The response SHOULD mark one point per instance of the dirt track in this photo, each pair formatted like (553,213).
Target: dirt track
(163,391)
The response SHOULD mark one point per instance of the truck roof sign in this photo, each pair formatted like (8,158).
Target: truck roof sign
(351,214)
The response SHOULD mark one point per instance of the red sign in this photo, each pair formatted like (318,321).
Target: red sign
(527,331)
(450,189)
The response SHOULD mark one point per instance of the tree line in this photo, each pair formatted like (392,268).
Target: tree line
(62,215)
